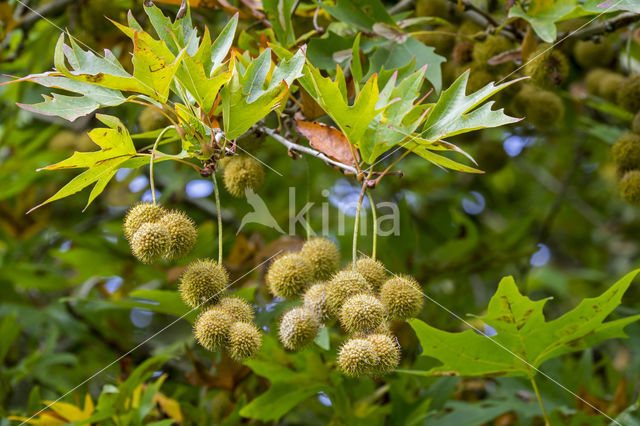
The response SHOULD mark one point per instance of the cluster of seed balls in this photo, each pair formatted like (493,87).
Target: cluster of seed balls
(226,322)
(361,297)
(468,46)
(626,154)
(155,233)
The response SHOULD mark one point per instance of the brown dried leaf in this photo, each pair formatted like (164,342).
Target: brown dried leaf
(513,55)
(328,140)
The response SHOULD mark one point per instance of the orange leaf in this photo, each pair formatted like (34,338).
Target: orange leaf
(328,140)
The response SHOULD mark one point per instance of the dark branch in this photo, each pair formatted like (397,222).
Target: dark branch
(608,26)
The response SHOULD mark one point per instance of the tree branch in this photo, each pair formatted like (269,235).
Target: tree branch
(608,26)
(306,150)
(484,19)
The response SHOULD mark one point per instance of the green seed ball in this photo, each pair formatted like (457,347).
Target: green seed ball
(635,124)
(373,271)
(242,172)
(289,275)
(211,328)
(402,296)
(362,313)
(357,357)
(151,242)
(593,79)
(590,54)
(492,46)
(203,281)
(387,351)
(244,341)
(182,231)
(610,86)
(544,109)
(629,94)
(429,8)
(344,284)
(238,308)
(315,299)
(139,214)
(630,187)
(323,255)
(626,152)
(547,67)
(152,119)
(298,327)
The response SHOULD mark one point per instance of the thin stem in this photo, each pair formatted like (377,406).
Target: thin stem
(306,150)
(307,213)
(404,154)
(544,411)
(151,158)
(219,214)
(357,221)
(374,216)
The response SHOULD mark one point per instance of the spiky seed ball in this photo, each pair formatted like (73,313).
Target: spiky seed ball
(402,297)
(238,308)
(626,152)
(323,255)
(315,299)
(298,327)
(244,341)
(344,284)
(590,54)
(491,156)
(544,109)
(289,275)
(630,187)
(610,86)
(387,351)
(357,357)
(428,8)
(242,172)
(469,28)
(139,214)
(593,79)
(373,271)
(211,328)
(182,231)
(151,119)
(151,242)
(635,124)
(203,281)
(362,313)
(492,46)
(547,67)
(629,94)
